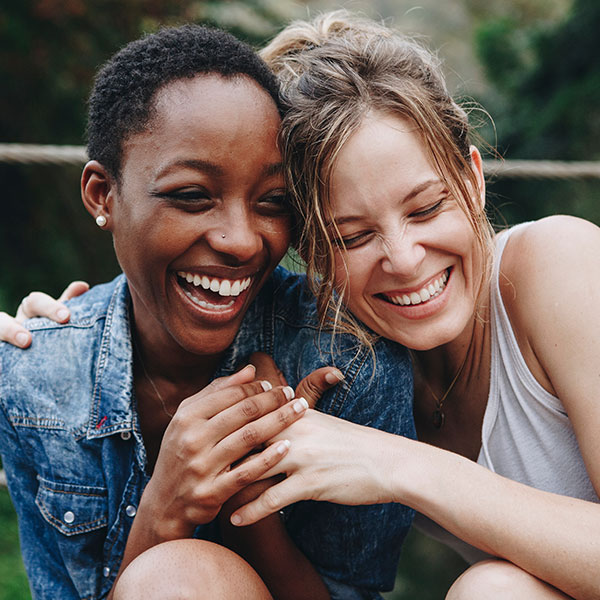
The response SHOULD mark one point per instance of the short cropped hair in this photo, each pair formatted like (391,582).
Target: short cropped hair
(122,98)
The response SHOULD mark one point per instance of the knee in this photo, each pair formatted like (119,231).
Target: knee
(491,579)
(189,570)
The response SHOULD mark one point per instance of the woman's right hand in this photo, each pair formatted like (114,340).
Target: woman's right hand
(37,304)
(198,467)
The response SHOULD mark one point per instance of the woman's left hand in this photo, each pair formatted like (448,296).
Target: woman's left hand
(37,304)
(329,459)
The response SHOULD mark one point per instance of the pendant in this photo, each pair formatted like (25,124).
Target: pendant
(438,417)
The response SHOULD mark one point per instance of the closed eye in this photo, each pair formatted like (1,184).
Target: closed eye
(430,210)
(355,240)
(193,198)
(275,203)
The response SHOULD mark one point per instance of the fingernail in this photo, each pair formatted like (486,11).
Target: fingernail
(283,446)
(236,520)
(21,338)
(266,386)
(300,405)
(289,392)
(62,314)
(334,376)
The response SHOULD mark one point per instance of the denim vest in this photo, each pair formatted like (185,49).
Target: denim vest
(75,459)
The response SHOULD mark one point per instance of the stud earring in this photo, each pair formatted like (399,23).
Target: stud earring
(101,220)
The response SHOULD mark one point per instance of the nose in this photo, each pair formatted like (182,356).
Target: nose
(236,234)
(403,252)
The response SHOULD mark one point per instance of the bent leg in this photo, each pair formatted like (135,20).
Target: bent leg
(189,570)
(501,580)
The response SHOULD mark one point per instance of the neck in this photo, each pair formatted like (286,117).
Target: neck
(439,366)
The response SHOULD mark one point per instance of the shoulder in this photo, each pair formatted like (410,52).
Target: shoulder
(292,297)
(59,350)
(558,243)
(549,285)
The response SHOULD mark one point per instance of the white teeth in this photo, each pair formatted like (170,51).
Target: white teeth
(430,291)
(208,305)
(223,287)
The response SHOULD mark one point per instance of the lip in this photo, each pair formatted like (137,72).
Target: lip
(215,317)
(423,310)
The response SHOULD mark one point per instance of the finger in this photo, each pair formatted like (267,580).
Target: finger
(208,403)
(38,304)
(241,441)
(245,375)
(74,289)
(249,409)
(12,332)
(254,468)
(270,501)
(267,369)
(314,385)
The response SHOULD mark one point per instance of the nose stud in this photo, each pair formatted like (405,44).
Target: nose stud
(223,235)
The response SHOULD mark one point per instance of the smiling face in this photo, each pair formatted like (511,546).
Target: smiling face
(199,219)
(411,267)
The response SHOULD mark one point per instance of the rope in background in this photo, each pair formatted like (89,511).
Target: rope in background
(509,169)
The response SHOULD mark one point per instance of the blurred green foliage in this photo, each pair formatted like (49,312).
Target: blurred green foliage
(545,102)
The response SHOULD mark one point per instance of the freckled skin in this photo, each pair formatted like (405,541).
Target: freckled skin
(398,238)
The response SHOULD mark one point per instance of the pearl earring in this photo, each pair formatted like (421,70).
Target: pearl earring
(101,220)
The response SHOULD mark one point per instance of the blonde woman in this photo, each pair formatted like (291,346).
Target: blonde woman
(504,328)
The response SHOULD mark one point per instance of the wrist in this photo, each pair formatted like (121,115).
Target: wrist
(161,520)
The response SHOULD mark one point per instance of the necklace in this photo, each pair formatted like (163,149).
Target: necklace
(158,394)
(438,417)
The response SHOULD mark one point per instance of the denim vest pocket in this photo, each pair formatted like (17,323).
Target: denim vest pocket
(78,514)
(72,509)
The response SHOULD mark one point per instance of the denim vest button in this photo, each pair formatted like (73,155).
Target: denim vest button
(130,511)
(69,517)
(125,435)
(106,571)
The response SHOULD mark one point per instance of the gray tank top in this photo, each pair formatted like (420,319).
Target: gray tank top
(526,434)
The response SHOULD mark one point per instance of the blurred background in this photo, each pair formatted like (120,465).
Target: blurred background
(534,65)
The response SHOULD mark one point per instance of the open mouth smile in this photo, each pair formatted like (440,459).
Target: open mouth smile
(212,293)
(425,294)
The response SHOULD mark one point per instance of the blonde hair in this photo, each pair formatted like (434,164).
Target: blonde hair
(333,71)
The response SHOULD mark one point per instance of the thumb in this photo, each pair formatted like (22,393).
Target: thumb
(314,385)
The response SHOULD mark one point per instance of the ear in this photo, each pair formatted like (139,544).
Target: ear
(477,166)
(98,190)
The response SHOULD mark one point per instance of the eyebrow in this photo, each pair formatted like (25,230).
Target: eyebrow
(418,189)
(205,166)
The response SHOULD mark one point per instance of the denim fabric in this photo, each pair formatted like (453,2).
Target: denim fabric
(75,459)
